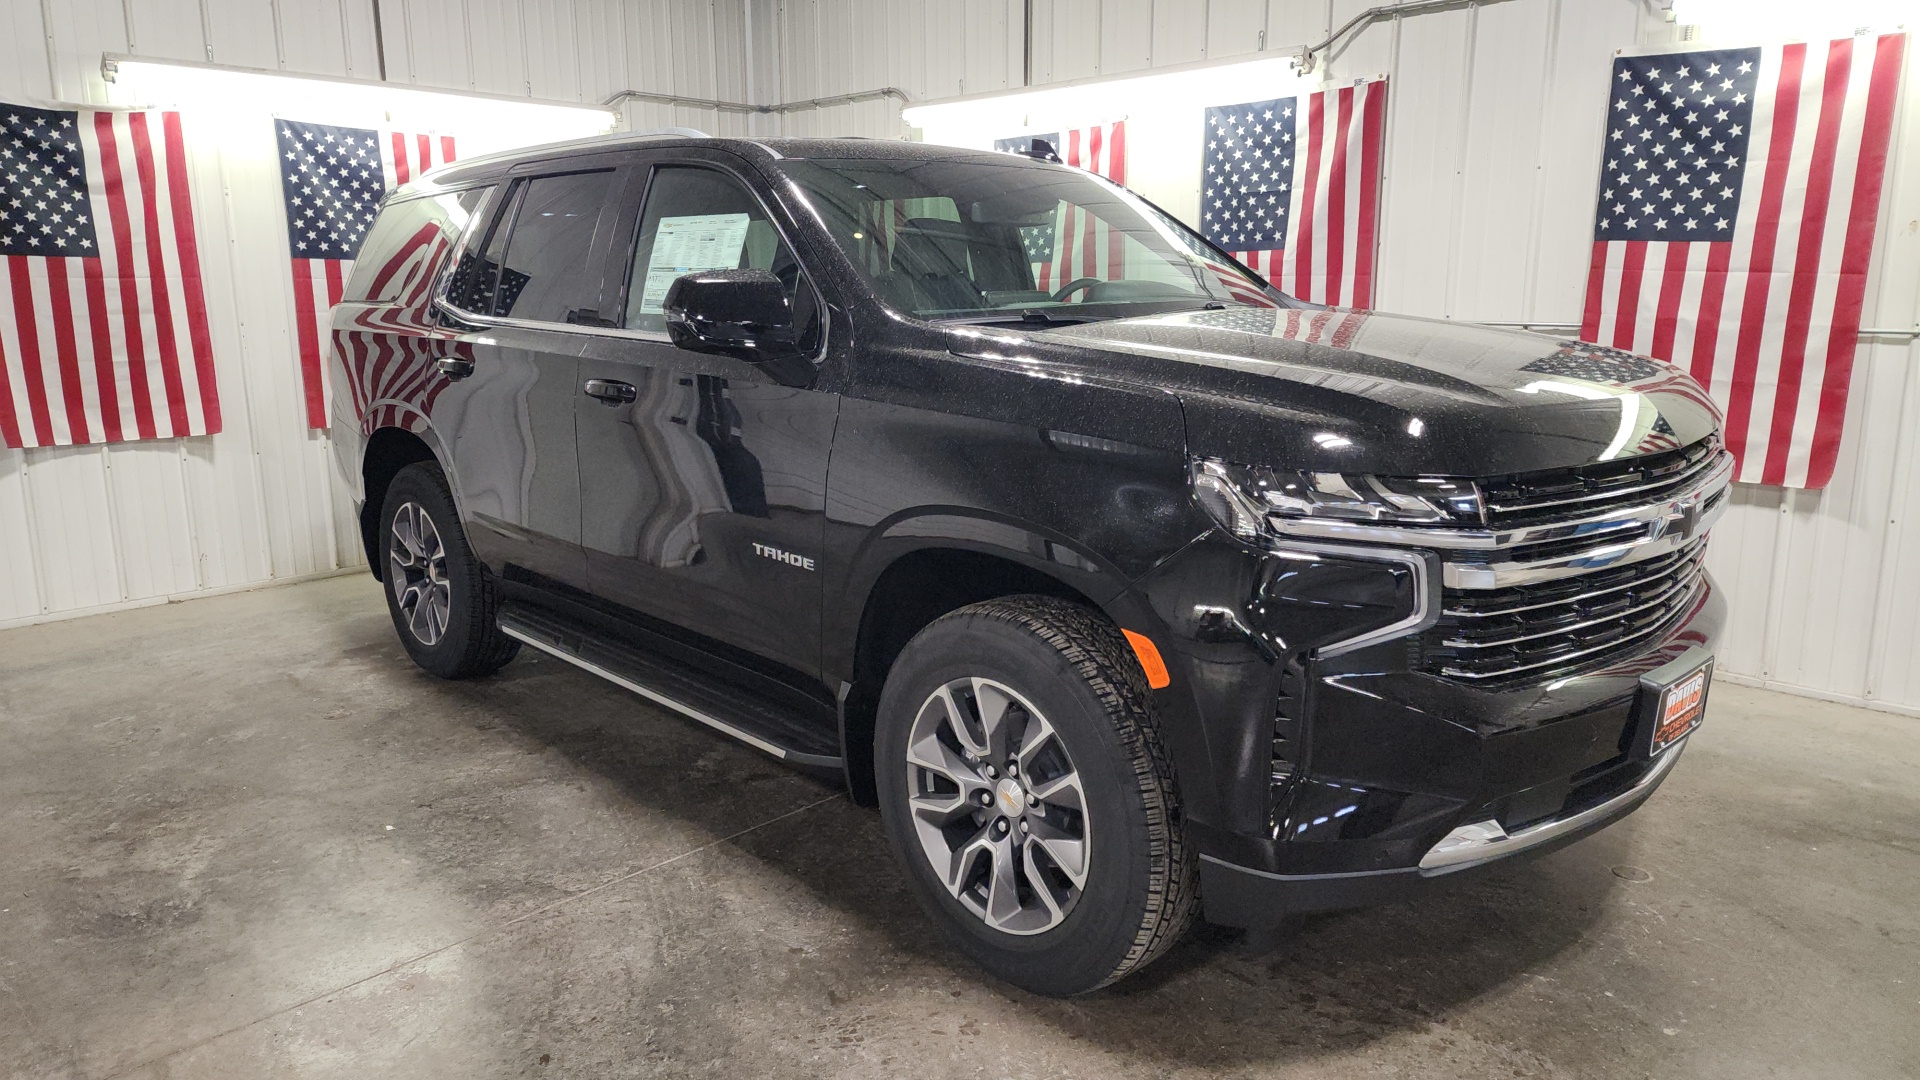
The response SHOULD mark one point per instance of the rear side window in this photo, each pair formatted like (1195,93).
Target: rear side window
(408,242)
(548,271)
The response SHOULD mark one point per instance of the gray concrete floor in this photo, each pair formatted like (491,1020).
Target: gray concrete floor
(244,837)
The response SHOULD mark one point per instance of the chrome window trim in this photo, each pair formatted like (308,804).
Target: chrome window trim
(442,304)
(1426,602)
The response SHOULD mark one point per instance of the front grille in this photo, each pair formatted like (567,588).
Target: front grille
(1543,630)
(1561,494)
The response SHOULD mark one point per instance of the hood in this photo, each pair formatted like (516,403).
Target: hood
(1334,390)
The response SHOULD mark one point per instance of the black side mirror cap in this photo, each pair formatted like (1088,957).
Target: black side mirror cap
(739,313)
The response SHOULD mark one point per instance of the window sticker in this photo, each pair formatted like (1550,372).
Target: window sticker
(684,245)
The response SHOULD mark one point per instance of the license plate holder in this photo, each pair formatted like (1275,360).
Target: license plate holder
(1673,701)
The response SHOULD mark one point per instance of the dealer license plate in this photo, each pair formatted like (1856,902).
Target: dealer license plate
(1682,705)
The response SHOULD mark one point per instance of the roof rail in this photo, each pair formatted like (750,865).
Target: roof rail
(662,132)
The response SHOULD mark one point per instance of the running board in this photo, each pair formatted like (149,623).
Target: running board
(761,724)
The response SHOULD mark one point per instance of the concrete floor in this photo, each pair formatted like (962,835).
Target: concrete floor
(244,837)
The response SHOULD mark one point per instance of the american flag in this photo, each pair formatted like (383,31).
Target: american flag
(1075,244)
(332,180)
(1291,186)
(1739,190)
(103,324)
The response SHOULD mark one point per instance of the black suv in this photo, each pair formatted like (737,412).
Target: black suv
(1127,586)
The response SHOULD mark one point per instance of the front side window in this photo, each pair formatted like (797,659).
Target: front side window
(702,219)
(945,239)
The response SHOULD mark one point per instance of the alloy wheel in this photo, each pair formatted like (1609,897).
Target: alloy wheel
(998,806)
(417,572)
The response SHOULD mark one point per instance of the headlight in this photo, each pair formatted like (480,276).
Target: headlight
(1242,497)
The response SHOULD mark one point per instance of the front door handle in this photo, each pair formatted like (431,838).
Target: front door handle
(611,392)
(454,367)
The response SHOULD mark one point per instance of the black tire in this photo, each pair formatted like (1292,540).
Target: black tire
(468,641)
(1072,665)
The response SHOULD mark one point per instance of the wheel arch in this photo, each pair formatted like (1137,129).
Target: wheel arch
(388,450)
(915,573)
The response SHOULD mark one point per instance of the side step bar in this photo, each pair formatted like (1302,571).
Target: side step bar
(760,724)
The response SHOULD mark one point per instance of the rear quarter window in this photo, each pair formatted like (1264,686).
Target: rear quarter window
(408,243)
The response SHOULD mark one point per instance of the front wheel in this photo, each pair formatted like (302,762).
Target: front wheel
(441,597)
(1028,797)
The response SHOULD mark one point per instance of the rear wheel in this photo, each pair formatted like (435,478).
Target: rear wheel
(1027,795)
(441,598)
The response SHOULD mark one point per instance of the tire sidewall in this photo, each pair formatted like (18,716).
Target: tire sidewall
(422,483)
(1094,939)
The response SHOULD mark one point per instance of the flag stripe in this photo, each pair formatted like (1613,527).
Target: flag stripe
(29,345)
(186,249)
(1806,264)
(1302,244)
(1337,197)
(119,217)
(1877,128)
(1759,279)
(66,351)
(1672,281)
(1374,119)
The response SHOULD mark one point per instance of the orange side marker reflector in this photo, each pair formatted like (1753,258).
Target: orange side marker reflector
(1150,661)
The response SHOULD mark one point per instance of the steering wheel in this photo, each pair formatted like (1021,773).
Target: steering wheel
(1074,286)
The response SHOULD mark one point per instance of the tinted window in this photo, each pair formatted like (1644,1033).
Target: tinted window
(470,286)
(548,273)
(966,239)
(700,219)
(408,241)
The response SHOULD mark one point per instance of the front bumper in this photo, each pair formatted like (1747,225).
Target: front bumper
(1387,758)
(1242,896)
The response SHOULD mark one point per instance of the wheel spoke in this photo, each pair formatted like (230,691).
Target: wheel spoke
(993,701)
(1003,890)
(1063,790)
(1069,853)
(1041,886)
(961,861)
(421,622)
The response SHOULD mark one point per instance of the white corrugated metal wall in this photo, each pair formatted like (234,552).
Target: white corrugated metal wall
(1491,162)
(85,528)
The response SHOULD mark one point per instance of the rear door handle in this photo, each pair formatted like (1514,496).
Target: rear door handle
(611,392)
(454,367)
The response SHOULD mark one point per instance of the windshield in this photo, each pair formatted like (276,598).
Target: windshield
(984,241)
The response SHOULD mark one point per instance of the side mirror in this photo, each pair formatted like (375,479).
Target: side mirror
(739,313)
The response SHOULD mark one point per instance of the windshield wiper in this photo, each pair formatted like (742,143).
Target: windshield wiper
(1033,317)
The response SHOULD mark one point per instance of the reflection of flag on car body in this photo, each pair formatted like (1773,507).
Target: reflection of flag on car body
(1074,245)
(1291,186)
(1738,195)
(332,179)
(103,325)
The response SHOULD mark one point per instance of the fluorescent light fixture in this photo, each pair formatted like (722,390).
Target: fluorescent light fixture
(483,122)
(967,121)
(1756,22)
